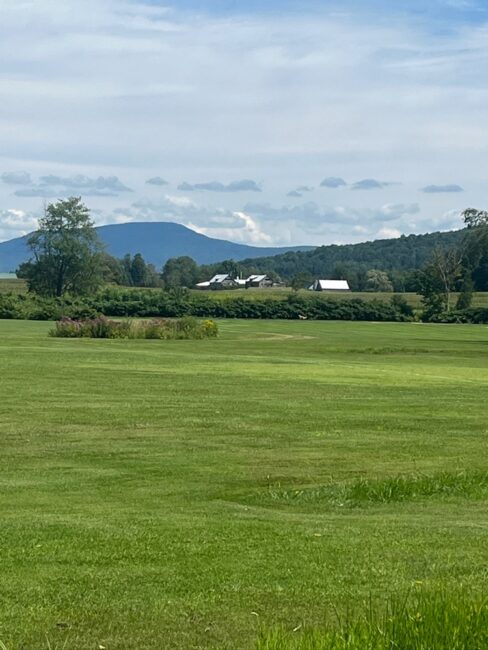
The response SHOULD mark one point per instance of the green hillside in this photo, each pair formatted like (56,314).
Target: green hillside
(403,254)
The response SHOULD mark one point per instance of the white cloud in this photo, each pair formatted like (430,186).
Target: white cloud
(16,223)
(129,88)
(388,233)
(240,227)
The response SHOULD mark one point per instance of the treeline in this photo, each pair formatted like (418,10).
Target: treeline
(129,271)
(390,265)
(462,268)
(68,260)
(397,258)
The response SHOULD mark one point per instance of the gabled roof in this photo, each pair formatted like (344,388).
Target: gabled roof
(331,285)
(219,278)
(256,278)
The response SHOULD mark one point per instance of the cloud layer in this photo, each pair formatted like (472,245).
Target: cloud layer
(104,90)
(52,186)
(370,184)
(216,186)
(441,189)
(157,180)
(16,178)
(333,182)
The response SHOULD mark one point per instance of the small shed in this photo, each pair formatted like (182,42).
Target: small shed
(330,285)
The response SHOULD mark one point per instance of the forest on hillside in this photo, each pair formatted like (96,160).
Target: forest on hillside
(398,257)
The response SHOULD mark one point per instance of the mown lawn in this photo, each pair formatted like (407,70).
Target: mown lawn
(184,494)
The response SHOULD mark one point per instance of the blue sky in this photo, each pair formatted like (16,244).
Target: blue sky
(266,123)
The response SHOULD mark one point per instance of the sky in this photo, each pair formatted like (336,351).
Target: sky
(266,123)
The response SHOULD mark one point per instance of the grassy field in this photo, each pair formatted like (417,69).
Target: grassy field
(480,299)
(188,494)
(13,286)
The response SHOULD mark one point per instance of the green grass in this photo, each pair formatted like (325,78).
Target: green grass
(136,492)
(471,484)
(13,286)
(480,299)
(450,620)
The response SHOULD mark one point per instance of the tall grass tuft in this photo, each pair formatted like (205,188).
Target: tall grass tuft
(422,621)
(103,328)
(463,483)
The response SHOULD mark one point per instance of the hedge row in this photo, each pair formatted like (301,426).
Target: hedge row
(175,304)
(167,304)
(476,315)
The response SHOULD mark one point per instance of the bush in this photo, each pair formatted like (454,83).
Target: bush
(98,328)
(12,307)
(475,315)
(103,328)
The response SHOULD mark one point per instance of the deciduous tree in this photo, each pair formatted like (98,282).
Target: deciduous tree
(66,251)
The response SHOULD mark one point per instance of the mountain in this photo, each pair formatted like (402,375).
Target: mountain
(156,241)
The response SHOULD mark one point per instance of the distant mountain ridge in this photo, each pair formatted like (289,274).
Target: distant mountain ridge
(157,242)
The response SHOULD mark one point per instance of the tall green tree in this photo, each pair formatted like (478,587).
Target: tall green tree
(180,272)
(301,281)
(66,251)
(439,279)
(474,248)
(138,271)
(378,281)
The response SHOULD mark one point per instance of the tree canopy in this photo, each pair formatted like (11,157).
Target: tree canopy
(66,251)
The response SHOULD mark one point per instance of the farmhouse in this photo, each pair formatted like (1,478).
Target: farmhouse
(260,281)
(225,281)
(330,285)
(219,281)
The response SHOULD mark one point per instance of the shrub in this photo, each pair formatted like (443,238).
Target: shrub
(103,328)
(143,303)
(12,307)
(98,328)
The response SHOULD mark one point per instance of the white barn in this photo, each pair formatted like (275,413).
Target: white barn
(330,285)
(258,281)
(219,281)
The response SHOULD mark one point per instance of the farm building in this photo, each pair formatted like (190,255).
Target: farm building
(330,285)
(219,281)
(260,281)
(223,281)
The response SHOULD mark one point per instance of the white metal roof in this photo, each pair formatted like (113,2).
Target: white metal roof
(219,278)
(256,278)
(331,285)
